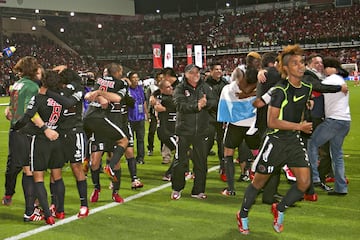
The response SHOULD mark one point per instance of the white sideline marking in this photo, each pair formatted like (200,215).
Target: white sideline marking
(93,211)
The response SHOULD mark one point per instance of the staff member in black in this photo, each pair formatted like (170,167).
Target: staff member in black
(216,129)
(193,99)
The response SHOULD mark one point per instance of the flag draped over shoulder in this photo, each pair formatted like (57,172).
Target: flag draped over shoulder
(232,109)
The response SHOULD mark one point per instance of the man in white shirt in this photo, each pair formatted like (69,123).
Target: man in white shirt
(337,118)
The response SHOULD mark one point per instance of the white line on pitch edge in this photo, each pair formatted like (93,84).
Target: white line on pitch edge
(93,211)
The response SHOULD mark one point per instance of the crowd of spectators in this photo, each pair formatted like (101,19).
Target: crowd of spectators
(233,31)
(249,29)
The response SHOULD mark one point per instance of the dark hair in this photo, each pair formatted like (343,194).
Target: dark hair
(132,73)
(169,71)
(212,65)
(288,51)
(27,66)
(331,62)
(251,75)
(269,57)
(311,57)
(69,75)
(51,80)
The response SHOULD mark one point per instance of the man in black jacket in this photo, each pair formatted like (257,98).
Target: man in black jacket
(216,81)
(193,99)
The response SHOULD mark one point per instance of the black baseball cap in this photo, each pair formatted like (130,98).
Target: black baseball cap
(190,67)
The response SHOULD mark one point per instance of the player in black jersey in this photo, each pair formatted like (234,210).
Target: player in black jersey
(283,145)
(44,152)
(108,93)
(71,133)
(166,109)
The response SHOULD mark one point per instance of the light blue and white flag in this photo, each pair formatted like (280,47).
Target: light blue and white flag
(234,110)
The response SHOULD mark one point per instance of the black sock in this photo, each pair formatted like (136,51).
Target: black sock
(132,167)
(117,154)
(42,197)
(229,170)
(116,185)
(249,199)
(52,193)
(60,194)
(95,176)
(29,193)
(82,189)
(292,196)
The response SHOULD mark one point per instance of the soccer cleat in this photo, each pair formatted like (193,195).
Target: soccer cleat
(244,178)
(332,179)
(175,195)
(199,196)
(323,186)
(50,220)
(35,216)
(110,173)
(243,224)
(150,153)
(227,192)
(60,215)
(6,200)
(166,178)
(189,176)
(140,161)
(84,212)
(311,197)
(278,218)
(136,184)
(95,195)
(52,209)
(117,198)
(223,175)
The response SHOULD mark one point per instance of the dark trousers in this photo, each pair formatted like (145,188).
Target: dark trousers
(138,128)
(19,150)
(216,130)
(151,132)
(199,157)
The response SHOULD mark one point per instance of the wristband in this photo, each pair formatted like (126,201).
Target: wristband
(266,98)
(44,127)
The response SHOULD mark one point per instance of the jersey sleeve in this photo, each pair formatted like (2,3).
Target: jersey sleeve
(277,97)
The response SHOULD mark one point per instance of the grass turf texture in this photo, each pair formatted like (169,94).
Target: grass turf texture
(155,216)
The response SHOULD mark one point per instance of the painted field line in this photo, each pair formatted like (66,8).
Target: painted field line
(93,211)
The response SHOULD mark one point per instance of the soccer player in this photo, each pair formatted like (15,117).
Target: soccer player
(72,134)
(237,97)
(19,143)
(283,145)
(109,90)
(45,153)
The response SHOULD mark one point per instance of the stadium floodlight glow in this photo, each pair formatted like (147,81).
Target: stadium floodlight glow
(72,14)
(227,4)
(99,26)
(157,10)
(33,28)
(62,30)
(13,18)
(37,11)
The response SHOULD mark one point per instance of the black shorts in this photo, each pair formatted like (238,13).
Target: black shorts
(235,135)
(74,146)
(19,149)
(45,154)
(277,151)
(104,133)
